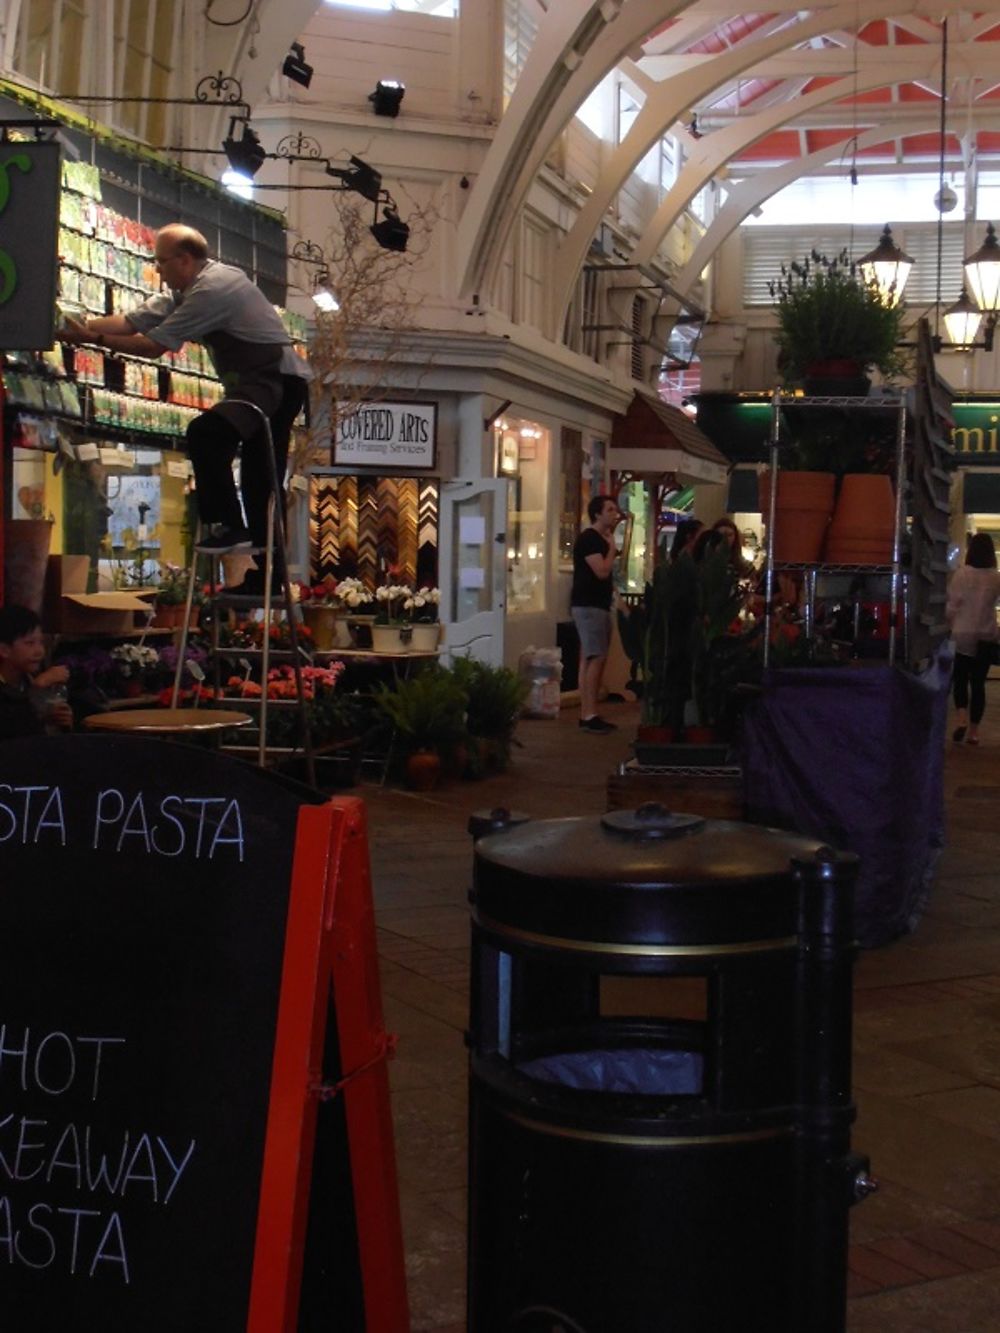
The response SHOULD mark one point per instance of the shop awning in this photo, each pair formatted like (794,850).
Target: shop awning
(653,437)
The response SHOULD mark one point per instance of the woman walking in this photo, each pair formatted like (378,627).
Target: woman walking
(972,599)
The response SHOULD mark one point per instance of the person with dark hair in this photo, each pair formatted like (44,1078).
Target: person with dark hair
(686,533)
(972,599)
(24,708)
(217,305)
(594,555)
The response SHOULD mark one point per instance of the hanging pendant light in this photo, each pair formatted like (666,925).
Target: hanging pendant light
(982,271)
(886,268)
(962,321)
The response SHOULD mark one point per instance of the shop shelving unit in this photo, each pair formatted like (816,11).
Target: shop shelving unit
(781,401)
(924,459)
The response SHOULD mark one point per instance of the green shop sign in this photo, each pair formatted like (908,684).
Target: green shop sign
(977,433)
(29,244)
(742,430)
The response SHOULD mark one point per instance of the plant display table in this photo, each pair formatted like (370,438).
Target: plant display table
(856,757)
(168,721)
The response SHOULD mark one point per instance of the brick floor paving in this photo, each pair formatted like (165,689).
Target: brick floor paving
(926,1249)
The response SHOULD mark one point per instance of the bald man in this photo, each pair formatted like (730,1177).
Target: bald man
(217,305)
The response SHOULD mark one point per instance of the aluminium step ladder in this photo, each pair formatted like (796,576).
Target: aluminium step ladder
(276,546)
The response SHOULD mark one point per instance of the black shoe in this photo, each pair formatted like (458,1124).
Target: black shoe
(958,735)
(597,724)
(253,586)
(220,540)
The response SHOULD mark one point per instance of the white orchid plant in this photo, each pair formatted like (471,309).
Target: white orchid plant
(390,600)
(352,594)
(422,606)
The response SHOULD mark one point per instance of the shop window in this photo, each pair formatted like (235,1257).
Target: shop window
(360,526)
(636,500)
(523,455)
(536,272)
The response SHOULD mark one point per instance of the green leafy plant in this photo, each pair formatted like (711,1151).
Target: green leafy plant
(427,711)
(172,587)
(494,697)
(826,312)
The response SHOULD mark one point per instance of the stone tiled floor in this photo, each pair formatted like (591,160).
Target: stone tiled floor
(926,1249)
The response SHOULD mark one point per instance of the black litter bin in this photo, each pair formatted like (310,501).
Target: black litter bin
(660,1101)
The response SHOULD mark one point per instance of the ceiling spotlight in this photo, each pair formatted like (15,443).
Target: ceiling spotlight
(246,155)
(295,67)
(392,233)
(324,295)
(360,177)
(387,96)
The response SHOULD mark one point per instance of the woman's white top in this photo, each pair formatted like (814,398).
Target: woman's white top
(972,599)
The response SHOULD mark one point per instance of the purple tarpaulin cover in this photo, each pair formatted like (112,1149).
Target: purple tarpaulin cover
(856,757)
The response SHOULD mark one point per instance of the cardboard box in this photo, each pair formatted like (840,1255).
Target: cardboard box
(102,612)
(63,574)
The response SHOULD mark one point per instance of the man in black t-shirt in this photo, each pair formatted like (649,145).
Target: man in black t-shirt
(594,556)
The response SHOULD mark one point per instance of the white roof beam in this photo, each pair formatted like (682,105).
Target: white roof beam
(751,192)
(671,99)
(715,150)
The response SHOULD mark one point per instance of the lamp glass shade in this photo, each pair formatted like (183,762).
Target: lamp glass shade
(962,321)
(982,272)
(325,299)
(887,268)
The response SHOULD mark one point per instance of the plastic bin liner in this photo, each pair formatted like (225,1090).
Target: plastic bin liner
(634,1070)
(542,669)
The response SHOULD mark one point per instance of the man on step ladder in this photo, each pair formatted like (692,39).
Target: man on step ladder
(217,305)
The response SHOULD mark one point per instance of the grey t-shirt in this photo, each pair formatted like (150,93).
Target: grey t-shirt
(222,299)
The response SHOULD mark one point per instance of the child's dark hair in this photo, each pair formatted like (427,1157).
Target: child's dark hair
(16,622)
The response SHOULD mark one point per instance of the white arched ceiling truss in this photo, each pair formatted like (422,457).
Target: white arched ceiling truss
(754,190)
(710,154)
(686,80)
(557,78)
(500,193)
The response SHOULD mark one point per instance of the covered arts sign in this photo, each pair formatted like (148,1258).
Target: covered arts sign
(29,229)
(383,434)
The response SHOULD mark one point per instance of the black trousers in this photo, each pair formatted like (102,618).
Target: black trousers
(212,443)
(969,677)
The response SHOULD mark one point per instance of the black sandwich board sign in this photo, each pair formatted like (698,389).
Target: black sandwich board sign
(176,1147)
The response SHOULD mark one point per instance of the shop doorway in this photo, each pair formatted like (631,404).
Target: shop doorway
(474,568)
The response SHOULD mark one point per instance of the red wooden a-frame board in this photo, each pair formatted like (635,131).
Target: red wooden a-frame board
(330,973)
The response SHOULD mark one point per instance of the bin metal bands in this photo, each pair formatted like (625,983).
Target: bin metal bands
(649,1140)
(636,950)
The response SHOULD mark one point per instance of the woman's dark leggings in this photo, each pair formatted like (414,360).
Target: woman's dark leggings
(970,677)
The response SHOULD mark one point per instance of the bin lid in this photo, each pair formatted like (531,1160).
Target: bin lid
(671,878)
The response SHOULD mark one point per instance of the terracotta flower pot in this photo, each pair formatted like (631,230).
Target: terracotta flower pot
(423,769)
(651,735)
(863,522)
(168,617)
(837,377)
(803,507)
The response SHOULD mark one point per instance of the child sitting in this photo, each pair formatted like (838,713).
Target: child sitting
(25,709)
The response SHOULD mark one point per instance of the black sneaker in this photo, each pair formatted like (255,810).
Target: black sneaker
(220,540)
(253,586)
(597,724)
